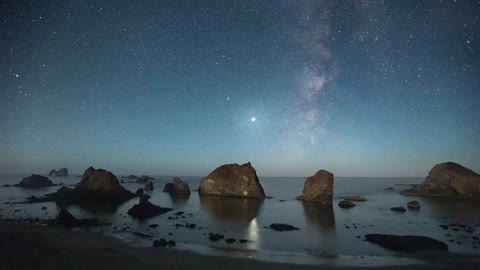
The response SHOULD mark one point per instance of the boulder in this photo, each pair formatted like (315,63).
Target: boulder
(283,227)
(160,243)
(408,243)
(177,187)
(35,181)
(346,204)
(413,205)
(145,209)
(169,187)
(139,191)
(318,188)
(399,209)
(148,186)
(232,180)
(448,179)
(356,199)
(66,219)
(143,179)
(62,172)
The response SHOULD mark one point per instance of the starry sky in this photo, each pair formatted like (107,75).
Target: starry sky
(360,88)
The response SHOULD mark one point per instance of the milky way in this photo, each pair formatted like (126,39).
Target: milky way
(361,88)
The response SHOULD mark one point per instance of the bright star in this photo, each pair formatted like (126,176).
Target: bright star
(253,119)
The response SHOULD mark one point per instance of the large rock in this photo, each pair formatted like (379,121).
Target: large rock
(62,172)
(145,209)
(177,187)
(448,179)
(35,181)
(66,219)
(318,188)
(408,243)
(232,180)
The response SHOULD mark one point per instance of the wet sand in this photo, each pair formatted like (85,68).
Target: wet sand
(28,246)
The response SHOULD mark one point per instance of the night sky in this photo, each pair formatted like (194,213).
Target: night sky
(360,88)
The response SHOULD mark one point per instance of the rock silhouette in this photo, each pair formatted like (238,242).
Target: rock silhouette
(62,172)
(35,181)
(409,243)
(177,187)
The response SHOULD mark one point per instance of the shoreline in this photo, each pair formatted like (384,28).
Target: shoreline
(29,246)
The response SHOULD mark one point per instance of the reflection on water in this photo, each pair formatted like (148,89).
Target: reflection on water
(179,200)
(319,214)
(235,210)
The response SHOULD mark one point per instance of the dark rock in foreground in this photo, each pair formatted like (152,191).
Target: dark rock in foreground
(62,172)
(448,179)
(408,243)
(96,185)
(215,237)
(399,209)
(232,180)
(66,219)
(177,187)
(318,188)
(346,204)
(35,181)
(413,205)
(145,209)
(139,191)
(283,227)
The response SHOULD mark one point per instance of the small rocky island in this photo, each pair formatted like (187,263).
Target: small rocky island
(448,179)
(35,181)
(318,188)
(63,172)
(177,187)
(233,180)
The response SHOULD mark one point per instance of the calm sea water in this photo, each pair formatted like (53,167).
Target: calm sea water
(325,231)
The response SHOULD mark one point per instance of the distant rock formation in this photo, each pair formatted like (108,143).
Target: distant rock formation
(148,186)
(61,172)
(145,209)
(96,185)
(448,179)
(318,188)
(35,181)
(356,199)
(131,176)
(143,179)
(232,180)
(413,205)
(346,204)
(408,243)
(177,187)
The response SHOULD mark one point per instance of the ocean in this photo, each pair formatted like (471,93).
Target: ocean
(325,231)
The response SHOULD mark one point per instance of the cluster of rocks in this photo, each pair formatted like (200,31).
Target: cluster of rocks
(412,205)
(62,172)
(96,185)
(164,243)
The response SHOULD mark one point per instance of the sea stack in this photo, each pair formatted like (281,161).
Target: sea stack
(233,180)
(62,172)
(448,179)
(318,188)
(177,187)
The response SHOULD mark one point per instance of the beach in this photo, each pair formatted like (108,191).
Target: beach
(28,246)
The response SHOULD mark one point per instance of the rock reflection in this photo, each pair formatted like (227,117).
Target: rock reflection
(236,210)
(179,200)
(320,214)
